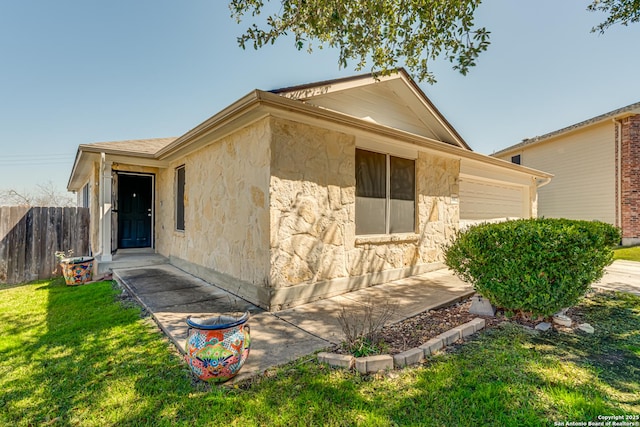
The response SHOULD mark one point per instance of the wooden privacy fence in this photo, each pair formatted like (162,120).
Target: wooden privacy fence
(30,237)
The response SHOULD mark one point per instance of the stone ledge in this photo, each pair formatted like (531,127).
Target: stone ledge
(413,356)
(382,239)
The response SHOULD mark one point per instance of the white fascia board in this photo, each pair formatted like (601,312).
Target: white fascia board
(137,161)
(307,92)
(329,119)
(81,170)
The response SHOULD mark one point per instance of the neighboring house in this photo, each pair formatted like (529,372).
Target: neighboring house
(298,194)
(596,167)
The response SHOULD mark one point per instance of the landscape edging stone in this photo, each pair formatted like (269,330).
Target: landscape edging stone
(413,356)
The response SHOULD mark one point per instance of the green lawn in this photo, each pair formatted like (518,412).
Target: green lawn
(631,254)
(77,356)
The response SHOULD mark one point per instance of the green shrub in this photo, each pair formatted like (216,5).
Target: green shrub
(533,265)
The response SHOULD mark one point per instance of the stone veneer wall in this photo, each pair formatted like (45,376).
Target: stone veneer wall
(226,237)
(312,202)
(314,250)
(630,185)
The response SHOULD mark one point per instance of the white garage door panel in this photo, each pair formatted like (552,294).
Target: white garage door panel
(482,200)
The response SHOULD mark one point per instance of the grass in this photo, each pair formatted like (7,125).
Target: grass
(630,254)
(78,356)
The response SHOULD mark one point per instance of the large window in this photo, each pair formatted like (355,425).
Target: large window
(385,193)
(180,184)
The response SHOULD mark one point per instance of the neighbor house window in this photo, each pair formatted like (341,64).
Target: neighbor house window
(515,159)
(385,193)
(180,183)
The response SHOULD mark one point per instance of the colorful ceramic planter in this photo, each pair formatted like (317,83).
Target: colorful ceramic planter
(77,270)
(217,347)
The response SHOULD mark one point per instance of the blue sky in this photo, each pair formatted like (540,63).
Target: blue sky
(78,71)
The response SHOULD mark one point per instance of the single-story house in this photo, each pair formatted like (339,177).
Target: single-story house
(596,167)
(302,193)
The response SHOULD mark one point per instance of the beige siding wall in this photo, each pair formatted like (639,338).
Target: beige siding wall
(584,167)
(226,207)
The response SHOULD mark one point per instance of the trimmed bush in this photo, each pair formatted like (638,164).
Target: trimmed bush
(536,266)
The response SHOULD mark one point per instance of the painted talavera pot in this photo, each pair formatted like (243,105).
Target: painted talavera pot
(77,270)
(217,347)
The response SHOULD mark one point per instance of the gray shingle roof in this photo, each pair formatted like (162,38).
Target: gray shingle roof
(596,119)
(131,147)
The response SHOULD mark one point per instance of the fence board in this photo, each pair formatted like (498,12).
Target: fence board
(43,215)
(4,225)
(29,238)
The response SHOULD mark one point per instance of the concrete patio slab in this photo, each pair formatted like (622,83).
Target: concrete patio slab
(410,296)
(171,295)
(320,318)
(416,294)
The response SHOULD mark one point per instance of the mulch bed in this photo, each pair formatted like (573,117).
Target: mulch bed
(419,329)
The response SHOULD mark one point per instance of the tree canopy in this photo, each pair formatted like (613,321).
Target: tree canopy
(387,33)
(391,33)
(621,12)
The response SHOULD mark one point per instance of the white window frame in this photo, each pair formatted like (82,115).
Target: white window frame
(176,192)
(387,213)
(86,194)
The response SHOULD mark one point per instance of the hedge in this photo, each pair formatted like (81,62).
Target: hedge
(536,266)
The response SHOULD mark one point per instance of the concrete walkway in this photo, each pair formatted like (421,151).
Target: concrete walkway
(623,276)
(170,295)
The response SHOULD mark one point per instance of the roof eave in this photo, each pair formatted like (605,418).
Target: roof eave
(277,101)
(423,96)
(244,104)
(618,114)
(260,103)
(75,179)
(89,148)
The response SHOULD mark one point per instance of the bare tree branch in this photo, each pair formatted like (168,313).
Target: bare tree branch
(43,195)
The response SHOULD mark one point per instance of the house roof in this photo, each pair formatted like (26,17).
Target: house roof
(133,147)
(619,113)
(425,126)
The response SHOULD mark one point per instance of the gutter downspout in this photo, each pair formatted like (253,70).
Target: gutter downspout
(618,125)
(543,183)
(533,194)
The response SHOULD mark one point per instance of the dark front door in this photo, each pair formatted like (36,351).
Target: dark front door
(134,210)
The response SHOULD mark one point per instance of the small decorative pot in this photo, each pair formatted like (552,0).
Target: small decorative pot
(217,347)
(77,270)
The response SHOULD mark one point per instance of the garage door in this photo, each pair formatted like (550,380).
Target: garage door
(483,200)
